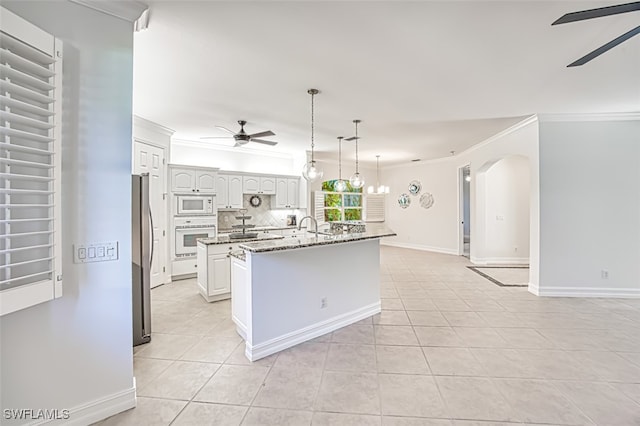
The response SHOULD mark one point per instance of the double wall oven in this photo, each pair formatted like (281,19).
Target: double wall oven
(188,230)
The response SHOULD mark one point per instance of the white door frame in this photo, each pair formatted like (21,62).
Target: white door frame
(163,255)
(461,209)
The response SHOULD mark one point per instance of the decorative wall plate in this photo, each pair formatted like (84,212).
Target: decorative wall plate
(404,200)
(414,187)
(255,201)
(426,200)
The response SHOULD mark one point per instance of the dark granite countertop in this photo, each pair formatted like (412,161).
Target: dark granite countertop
(224,239)
(259,228)
(310,240)
(239,254)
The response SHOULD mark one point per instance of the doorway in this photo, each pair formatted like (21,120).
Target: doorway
(151,159)
(464,181)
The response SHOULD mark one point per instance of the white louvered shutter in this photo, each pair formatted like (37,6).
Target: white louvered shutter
(374,206)
(318,206)
(30,83)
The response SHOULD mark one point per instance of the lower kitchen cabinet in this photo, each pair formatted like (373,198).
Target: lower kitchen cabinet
(214,271)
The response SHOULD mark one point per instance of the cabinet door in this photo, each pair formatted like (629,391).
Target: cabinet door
(222,194)
(235,192)
(293,189)
(183,180)
(281,193)
(205,181)
(219,276)
(267,185)
(251,185)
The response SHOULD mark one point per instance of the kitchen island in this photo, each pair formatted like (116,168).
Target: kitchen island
(288,291)
(214,265)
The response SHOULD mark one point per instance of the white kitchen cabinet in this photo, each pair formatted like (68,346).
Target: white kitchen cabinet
(259,185)
(229,192)
(240,300)
(214,271)
(287,190)
(193,180)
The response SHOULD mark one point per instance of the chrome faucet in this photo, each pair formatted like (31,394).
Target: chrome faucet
(315,222)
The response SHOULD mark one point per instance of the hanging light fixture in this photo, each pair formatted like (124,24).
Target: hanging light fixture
(311,172)
(381,189)
(340,184)
(356,180)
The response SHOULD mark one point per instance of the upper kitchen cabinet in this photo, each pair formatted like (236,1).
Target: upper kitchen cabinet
(229,194)
(287,191)
(259,185)
(193,180)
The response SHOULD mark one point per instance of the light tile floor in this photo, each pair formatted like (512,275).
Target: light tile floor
(449,348)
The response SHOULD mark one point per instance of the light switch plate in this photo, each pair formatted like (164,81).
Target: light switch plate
(95,252)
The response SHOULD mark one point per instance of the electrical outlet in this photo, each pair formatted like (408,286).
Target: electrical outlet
(604,274)
(323,303)
(515,249)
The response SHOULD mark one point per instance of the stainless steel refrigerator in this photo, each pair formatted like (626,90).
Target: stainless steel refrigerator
(141,258)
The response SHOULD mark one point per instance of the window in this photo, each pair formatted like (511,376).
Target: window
(30,83)
(345,205)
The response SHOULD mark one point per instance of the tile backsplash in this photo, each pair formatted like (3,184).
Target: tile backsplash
(262,215)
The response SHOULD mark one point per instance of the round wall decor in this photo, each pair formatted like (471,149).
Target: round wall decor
(414,187)
(404,200)
(426,200)
(255,201)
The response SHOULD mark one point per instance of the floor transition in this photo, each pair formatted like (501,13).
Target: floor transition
(449,348)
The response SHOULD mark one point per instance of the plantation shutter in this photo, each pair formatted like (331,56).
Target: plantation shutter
(374,208)
(30,84)
(318,206)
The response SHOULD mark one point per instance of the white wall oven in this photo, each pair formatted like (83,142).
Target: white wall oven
(189,205)
(188,230)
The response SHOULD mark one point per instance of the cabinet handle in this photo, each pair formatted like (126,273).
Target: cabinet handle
(193,190)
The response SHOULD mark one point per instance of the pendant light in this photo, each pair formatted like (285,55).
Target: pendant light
(356,180)
(340,184)
(381,189)
(311,172)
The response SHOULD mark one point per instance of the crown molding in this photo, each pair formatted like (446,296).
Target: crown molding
(599,116)
(143,122)
(236,149)
(127,10)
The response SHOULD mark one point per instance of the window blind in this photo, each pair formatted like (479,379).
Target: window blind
(374,205)
(29,173)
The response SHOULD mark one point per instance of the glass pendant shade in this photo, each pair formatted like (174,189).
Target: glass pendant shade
(357,181)
(340,185)
(311,172)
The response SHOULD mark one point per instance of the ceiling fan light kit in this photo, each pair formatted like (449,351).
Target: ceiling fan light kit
(243,138)
(356,180)
(597,13)
(311,172)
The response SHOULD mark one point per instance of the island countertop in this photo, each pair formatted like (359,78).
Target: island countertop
(310,240)
(224,239)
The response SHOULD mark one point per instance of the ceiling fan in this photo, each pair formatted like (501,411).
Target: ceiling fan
(243,138)
(597,13)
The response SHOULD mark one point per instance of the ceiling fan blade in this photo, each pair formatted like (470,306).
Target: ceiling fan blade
(600,50)
(264,142)
(216,137)
(225,129)
(262,134)
(352,138)
(597,13)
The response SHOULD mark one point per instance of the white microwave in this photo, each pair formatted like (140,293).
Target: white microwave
(196,204)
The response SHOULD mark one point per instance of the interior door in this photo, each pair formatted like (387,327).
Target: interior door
(150,159)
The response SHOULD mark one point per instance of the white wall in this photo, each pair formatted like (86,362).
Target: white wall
(78,349)
(506,207)
(236,159)
(438,228)
(590,207)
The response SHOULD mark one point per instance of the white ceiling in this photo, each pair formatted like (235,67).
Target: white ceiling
(425,77)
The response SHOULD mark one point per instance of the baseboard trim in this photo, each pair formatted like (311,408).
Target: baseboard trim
(419,247)
(96,410)
(619,293)
(272,346)
(500,260)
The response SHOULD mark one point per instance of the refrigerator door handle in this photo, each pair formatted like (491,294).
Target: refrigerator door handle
(152,240)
